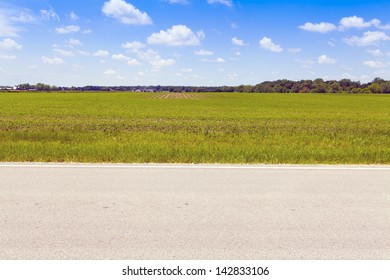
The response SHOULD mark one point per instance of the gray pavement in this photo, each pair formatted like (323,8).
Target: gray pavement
(194,212)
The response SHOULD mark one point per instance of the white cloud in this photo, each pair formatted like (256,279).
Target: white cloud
(87,31)
(52,61)
(125,13)
(324,59)
(228,3)
(133,62)
(369,38)
(234,25)
(83,53)
(357,22)
(162,62)
(237,42)
(110,72)
(376,52)
(64,52)
(308,63)
(133,46)
(73,16)
(186,70)
(177,35)
(294,50)
(74,42)
(178,1)
(233,76)
(68,29)
(322,27)
(7,57)
(101,53)
(154,59)
(148,55)
(6,28)
(218,60)
(120,57)
(9,44)
(49,14)
(374,64)
(204,53)
(24,16)
(332,43)
(384,27)
(266,43)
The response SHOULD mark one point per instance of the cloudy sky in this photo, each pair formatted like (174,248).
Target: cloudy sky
(191,42)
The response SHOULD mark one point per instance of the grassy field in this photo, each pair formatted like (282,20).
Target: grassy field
(214,128)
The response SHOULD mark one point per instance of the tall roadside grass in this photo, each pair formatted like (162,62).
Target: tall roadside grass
(220,128)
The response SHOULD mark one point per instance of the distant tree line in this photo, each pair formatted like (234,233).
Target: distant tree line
(378,85)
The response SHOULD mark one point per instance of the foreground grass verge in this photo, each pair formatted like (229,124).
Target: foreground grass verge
(221,128)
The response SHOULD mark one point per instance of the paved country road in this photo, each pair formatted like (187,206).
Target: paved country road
(76,211)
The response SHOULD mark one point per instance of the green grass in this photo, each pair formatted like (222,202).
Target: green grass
(223,128)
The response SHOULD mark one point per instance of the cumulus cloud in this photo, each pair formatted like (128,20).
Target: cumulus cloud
(7,57)
(178,1)
(384,27)
(324,59)
(120,57)
(376,52)
(9,44)
(6,28)
(73,16)
(322,27)
(204,53)
(125,13)
(369,38)
(133,62)
(148,55)
(52,61)
(101,53)
(74,42)
(237,42)
(162,62)
(153,58)
(133,46)
(110,72)
(357,22)
(68,29)
(24,16)
(344,24)
(294,50)
(228,3)
(308,63)
(64,52)
(266,43)
(374,64)
(177,35)
(218,60)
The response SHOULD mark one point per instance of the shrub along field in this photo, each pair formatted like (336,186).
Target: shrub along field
(208,128)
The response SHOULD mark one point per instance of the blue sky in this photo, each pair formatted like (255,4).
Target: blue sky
(191,42)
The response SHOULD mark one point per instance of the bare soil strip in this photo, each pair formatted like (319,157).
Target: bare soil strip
(176,96)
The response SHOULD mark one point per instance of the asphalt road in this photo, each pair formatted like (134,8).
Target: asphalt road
(194,212)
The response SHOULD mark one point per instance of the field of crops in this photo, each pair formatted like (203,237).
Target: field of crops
(195,128)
